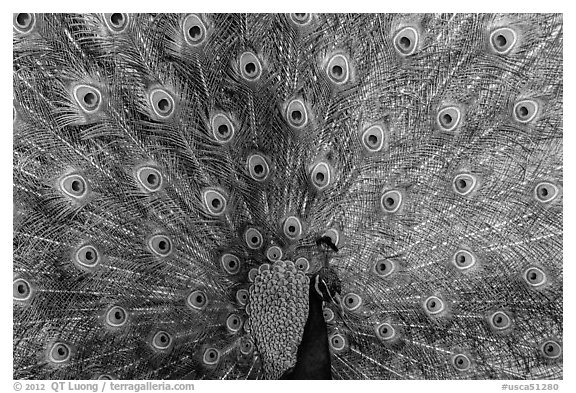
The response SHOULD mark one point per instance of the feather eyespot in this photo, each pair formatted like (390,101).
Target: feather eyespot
(194,30)
(24,22)
(258,167)
(162,340)
(461,362)
(499,320)
(254,272)
(274,253)
(373,138)
(253,238)
(525,111)
(242,297)
(88,98)
(334,236)
(162,103)
(105,377)
(463,259)
(448,118)
(406,41)
(250,66)
(338,69)
(545,192)
(116,22)
(60,353)
(292,227)
(503,40)
(301,18)
(385,331)
(74,186)
(391,201)
(230,263)
(302,264)
(464,183)
(321,175)
(296,114)
(337,342)
(149,178)
(87,256)
(197,300)
(328,315)
(246,346)
(384,267)
(223,129)
(211,356)
(434,305)
(21,289)
(551,349)
(214,201)
(160,245)
(233,323)
(116,316)
(352,301)
(535,277)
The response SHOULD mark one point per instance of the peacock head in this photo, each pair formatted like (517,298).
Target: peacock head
(326,283)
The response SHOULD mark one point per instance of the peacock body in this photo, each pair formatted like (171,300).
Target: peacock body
(173,173)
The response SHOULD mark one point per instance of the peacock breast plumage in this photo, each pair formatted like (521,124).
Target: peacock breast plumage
(175,175)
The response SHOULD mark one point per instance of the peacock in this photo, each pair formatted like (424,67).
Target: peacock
(287,196)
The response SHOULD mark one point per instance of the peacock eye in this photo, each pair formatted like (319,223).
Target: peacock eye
(60,353)
(87,256)
(503,40)
(464,259)
(197,300)
(535,277)
(88,98)
(274,253)
(337,342)
(24,22)
(211,356)
(461,362)
(525,111)
(385,331)
(292,227)
(246,346)
(302,264)
(433,305)
(149,178)
(116,316)
(328,315)
(406,41)
(253,238)
(448,118)
(105,377)
(334,236)
(250,66)
(242,297)
(301,18)
(233,323)
(160,245)
(338,70)
(230,263)
(296,114)
(116,22)
(162,340)
(214,201)
(391,201)
(384,267)
(74,186)
(321,175)
(254,272)
(551,349)
(352,301)
(162,103)
(373,138)
(464,183)
(194,30)
(258,167)
(545,192)
(500,320)
(222,128)
(21,289)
